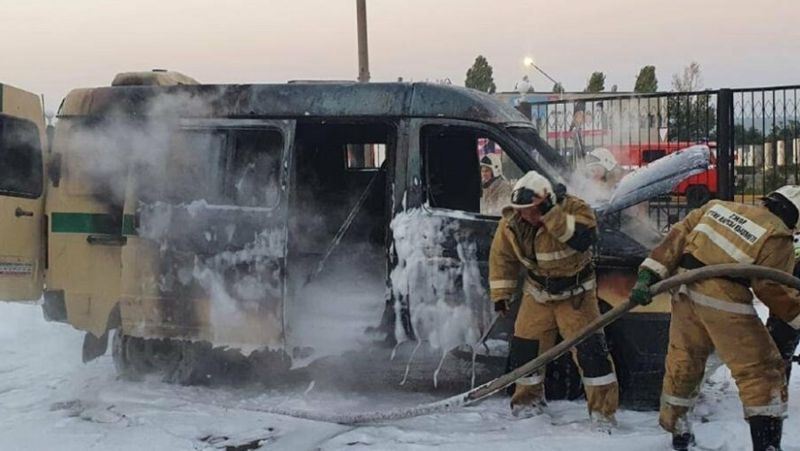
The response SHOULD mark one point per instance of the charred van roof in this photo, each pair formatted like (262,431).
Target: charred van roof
(294,100)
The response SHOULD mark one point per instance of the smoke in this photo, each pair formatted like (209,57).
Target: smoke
(203,199)
(211,220)
(620,123)
(101,150)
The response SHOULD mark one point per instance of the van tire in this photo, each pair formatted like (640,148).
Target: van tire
(638,345)
(127,352)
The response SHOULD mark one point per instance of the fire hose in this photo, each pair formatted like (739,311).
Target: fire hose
(490,388)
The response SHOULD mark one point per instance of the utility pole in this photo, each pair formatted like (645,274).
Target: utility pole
(363,51)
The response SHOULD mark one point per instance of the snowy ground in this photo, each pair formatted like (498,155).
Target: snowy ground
(49,400)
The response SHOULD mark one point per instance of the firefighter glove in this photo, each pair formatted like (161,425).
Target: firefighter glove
(641,291)
(501,307)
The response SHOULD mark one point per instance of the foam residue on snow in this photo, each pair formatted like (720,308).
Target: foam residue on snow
(50,400)
(449,302)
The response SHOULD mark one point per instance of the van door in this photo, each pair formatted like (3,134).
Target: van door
(21,206)
(206,251)
(460,176)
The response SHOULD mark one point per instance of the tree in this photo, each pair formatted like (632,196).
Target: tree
(597,82)
(646,81)
(691,117)
(690,80)
(479,76)
(558,88)
(747,135)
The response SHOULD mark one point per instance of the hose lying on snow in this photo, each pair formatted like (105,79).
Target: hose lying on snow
(494,386)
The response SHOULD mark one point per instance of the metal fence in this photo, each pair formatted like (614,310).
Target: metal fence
(765,140)
(754,135)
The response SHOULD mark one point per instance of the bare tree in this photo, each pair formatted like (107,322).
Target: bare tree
(690,80)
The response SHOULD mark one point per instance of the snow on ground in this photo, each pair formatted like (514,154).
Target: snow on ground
(50,400)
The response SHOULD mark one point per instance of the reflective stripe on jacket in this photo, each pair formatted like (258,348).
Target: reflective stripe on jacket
(727,232)
(559,247)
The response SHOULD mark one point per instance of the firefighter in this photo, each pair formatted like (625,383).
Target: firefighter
(785,336)
(601,166)
(496,190)
(719,314)
(549,236)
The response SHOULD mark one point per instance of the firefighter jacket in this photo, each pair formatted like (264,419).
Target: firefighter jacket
(727,232)
(496,196)
(556,254)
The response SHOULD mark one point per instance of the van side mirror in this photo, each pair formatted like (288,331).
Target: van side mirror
(54,169)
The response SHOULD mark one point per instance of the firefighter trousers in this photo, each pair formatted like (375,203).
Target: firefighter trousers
(536,330)
(700,325)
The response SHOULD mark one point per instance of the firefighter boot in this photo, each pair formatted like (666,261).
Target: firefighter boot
(682,435)
(682,441)
(604,424)
(528,401)
(528,398)
(766,432)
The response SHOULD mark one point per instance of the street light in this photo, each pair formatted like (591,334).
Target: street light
(528,62)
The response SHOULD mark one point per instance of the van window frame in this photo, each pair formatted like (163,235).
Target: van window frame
(286,130)
(495,132)
(35,159)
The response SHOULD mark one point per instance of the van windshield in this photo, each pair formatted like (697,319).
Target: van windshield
(545,156)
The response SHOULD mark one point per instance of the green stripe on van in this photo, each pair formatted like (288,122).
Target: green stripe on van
(2,88)
(98,223)
(128,225)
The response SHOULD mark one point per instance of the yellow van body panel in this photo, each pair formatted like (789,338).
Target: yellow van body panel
(22,258)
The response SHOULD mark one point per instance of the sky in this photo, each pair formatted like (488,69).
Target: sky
(52,46)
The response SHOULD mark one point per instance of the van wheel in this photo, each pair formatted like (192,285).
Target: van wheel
(270,366)
(130,356)
(191,365)
(697,196)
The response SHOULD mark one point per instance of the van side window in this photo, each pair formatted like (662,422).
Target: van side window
(466,170)
(253,175)
(20,158)
(223,167)
(194,167)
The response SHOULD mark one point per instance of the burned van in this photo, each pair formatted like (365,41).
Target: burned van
(282,223)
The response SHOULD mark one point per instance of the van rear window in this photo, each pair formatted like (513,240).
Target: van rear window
(20,158)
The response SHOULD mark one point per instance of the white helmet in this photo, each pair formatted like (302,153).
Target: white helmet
(531,186)
(792,194)
(492,161)
(600,156)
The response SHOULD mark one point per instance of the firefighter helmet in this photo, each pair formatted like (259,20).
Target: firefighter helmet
(530,187)
(492,161)
(790,193)
(602,157)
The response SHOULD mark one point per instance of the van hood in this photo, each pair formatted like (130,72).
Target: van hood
(657,178)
